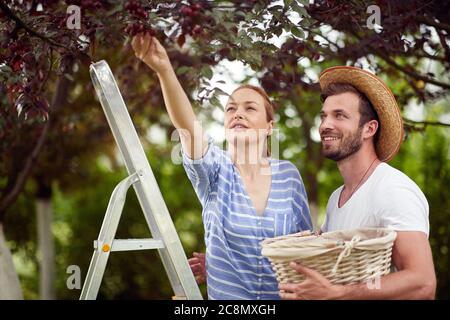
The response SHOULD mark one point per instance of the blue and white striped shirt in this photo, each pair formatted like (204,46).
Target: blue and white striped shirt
(233,230)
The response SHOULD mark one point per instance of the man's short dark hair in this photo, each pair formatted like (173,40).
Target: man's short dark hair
(366,109)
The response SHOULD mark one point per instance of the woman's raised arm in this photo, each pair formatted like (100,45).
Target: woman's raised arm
(152,53)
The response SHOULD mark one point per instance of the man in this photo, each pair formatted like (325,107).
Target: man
(361,129)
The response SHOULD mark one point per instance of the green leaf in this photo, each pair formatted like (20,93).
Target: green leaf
(307,22)
(254,57)
(4,68)
(278,30)
(298,32)
(207,72)
(228,24)
(241,14)
(256,31)
(299,9)
(249,16)
(304,2)
(246,41)
(276,8)
(182,70)
(287,3)
(215,101)
(218,91)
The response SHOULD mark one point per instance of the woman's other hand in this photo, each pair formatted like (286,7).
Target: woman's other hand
(197,264)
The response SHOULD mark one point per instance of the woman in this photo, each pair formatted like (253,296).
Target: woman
(246,195)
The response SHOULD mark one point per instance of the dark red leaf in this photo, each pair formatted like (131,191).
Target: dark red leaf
(181,40)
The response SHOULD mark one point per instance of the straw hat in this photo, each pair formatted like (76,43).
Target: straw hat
(391,133)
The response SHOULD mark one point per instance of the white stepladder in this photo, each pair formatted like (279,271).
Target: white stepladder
(165,237)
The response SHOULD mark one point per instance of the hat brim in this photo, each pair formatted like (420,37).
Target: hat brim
(391,123)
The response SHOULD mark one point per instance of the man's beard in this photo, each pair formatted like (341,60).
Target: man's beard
(349,146)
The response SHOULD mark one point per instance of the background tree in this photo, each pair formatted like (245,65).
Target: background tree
(54,140)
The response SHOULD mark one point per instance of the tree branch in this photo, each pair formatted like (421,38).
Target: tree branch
(22,24)
(11,195)
(443,42)
(411,73)
(44,82)
(431,22)
(403,69)
(424,55)
(426,123)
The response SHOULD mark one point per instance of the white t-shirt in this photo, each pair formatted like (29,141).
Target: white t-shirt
(388,199)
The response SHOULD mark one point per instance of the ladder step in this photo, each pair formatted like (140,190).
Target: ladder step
(132,244)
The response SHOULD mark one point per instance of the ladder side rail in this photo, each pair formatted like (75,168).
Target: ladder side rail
(155,211)
(173,256)
(115,111)
(106,236)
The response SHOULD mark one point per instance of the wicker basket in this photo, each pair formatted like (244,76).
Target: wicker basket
(344,257)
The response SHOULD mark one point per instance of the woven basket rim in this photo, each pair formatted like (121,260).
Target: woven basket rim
(343,257)
(298,246)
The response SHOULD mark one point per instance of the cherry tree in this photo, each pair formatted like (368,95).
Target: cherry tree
(47,102)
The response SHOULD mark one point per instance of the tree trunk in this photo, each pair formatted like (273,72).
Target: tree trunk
(314,153)
(15,185)
(46,247)
(9,281)
(313,194)
(314,211)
